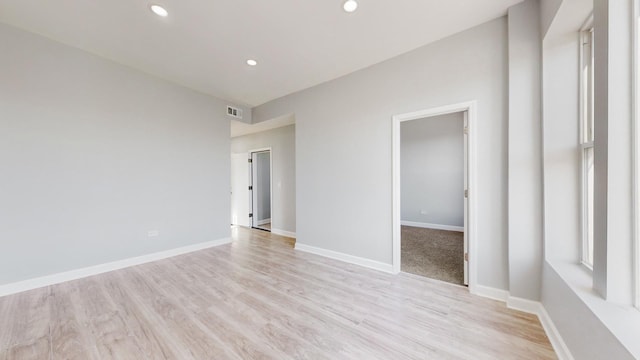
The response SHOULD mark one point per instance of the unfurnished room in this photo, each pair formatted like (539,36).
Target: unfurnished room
(343,179)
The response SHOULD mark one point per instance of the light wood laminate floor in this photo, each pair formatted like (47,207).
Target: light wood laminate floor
(257,298)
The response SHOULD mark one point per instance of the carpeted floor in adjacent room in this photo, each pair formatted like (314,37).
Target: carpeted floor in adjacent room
(436,254)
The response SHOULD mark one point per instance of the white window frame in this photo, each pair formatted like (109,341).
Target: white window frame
(585,136)
(636,149)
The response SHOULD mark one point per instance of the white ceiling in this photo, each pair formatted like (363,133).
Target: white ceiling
(239,128)
(204,45)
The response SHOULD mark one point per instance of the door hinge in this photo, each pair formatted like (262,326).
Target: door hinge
(250,161)
(466,130)
(466,193)
(250,187)
(466,256)
(250,215)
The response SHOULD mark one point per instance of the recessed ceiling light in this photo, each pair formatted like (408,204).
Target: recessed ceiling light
(252,62)
(159,10)
(350,5)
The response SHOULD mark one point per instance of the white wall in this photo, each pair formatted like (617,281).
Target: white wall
(94,154)
(282,142)
(525,151)
(432,170)
(343,137)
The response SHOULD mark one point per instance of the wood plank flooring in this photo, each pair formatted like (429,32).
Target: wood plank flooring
(257,298)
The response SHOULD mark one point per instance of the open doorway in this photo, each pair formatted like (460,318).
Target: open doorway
(432,197)
(275,137)
(240,200)
(432,177)
(260,189)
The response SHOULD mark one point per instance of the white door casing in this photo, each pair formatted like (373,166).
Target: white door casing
(466,197)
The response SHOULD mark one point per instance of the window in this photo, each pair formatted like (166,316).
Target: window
(586,144)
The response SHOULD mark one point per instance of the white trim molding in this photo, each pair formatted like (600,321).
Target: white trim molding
(491,293)
(371,264)
(283,233)
(524,305)
(58,278)
(432,226)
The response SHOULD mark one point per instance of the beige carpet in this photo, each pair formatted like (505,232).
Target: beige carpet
(436,254)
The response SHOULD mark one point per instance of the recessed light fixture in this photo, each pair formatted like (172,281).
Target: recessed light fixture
(252,62)
(159,10)
(350,5)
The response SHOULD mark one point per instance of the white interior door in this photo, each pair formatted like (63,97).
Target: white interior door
(239,193)
(466,199)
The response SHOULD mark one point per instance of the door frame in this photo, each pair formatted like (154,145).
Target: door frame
(470,108)
(251,195)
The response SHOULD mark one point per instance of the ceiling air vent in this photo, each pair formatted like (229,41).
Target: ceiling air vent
(235,112)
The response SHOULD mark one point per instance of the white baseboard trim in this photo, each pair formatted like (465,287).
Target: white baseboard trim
(371,264)
(561,348)
(432,226)
(524,305)
(58,278)
(491,293)
(532,307)
(283,233)
(264,221)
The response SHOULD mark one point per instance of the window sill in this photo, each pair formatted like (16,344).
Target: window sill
(622,320)
(587,268)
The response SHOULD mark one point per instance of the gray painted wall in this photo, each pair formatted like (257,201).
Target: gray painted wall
(262,185)
(283,150)
(343,136)
(432,170)
(525,151)
(548,11)
(94,155)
